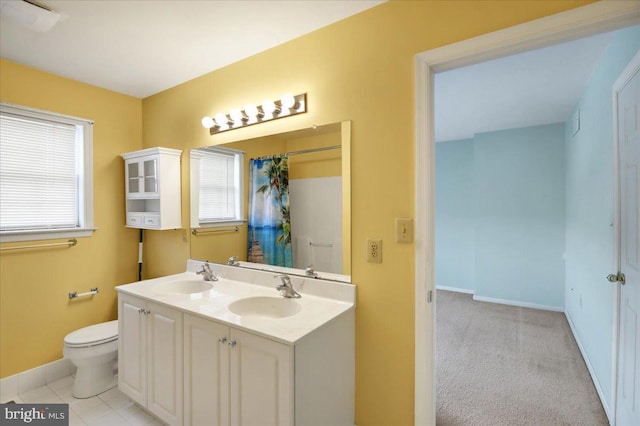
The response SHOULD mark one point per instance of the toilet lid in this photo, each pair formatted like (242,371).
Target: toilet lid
(93,335)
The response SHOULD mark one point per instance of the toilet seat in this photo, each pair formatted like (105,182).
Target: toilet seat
(93,335)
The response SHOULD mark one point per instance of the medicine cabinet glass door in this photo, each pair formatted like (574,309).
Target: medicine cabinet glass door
(142,178)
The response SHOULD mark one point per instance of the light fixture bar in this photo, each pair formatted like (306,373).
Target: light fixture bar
(287,106)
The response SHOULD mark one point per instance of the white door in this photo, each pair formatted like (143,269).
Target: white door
(628,383)
(261,381)
(164,358)
(206,372)
(132,356)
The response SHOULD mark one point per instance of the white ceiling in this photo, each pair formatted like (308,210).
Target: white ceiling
(528,89)
(142,47)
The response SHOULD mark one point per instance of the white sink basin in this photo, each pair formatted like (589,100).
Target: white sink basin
(184,287)
(265,307)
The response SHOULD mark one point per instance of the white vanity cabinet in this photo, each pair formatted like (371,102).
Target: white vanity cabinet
(232,377)
(237,378)
(150,350)
(152,188)
(192,359)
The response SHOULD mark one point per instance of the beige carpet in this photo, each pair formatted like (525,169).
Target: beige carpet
(504,365)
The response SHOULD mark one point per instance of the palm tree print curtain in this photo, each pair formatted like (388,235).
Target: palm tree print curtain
(269,225)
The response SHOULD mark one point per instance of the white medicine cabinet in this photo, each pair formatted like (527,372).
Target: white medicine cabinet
(152,188)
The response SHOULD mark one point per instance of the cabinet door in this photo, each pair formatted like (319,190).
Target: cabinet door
(164,363)
(142,177)
(261,381)
(132,372)
(150,176)
(206,372)
(133,178)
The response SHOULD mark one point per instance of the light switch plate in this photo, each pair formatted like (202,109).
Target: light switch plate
(404,230)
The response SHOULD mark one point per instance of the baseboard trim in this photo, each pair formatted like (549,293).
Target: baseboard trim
(456,289)
(594,378)
(518,303)
(25,381)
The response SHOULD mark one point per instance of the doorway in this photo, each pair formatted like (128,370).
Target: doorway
(502,129)
(567,26)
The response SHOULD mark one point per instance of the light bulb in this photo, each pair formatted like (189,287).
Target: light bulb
(288,101)
(208,122)
(236,116)
(222,119)
(251,110)
(268,106)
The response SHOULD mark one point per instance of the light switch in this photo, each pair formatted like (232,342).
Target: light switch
(404,230)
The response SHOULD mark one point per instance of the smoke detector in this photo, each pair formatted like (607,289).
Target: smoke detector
(32,15)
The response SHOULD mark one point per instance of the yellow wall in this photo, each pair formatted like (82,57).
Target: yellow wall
(359,69)
(35,312)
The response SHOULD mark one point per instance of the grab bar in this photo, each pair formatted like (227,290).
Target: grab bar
(213,231)
(69,243)
(75,294)
(320,244)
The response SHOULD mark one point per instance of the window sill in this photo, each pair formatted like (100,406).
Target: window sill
(49,234)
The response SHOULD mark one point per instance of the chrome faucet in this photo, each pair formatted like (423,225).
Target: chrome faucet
(310,272)
(233,261)
(207,273)
(286,289)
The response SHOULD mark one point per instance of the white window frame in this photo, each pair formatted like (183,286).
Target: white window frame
(85,186)
(194,164)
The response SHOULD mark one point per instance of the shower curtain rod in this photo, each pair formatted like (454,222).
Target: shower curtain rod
(307,151)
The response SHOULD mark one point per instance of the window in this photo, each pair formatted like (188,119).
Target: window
(216,187)
(46,187)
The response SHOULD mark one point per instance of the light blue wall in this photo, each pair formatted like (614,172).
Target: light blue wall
(589,183)
(513,249)
(454,217)
(500,215)
(519,215)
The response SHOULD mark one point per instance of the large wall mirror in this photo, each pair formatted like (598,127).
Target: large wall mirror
(295,196)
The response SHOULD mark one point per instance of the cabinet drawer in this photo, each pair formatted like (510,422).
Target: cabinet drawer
(152,221)
(134,220)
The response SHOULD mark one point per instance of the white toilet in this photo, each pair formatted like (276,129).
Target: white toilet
(94,351)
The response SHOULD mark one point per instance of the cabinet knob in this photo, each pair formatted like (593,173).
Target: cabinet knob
(231,343)
(222,340)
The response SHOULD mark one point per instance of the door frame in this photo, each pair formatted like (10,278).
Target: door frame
(629,71)
(566,26)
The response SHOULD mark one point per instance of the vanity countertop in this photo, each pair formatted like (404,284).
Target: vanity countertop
(321,300)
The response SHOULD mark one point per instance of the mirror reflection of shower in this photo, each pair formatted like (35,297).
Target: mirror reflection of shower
(295,222)
(307,222)
(316,217)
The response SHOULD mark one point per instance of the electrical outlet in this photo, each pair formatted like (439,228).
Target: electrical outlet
(374,251)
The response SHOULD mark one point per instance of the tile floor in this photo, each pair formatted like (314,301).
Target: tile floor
(111,408)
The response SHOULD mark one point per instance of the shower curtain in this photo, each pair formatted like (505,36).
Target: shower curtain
(269,226)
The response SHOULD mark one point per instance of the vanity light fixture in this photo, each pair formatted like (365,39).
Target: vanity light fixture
(287,106)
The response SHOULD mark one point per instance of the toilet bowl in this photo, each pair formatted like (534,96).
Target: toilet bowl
(94,351)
